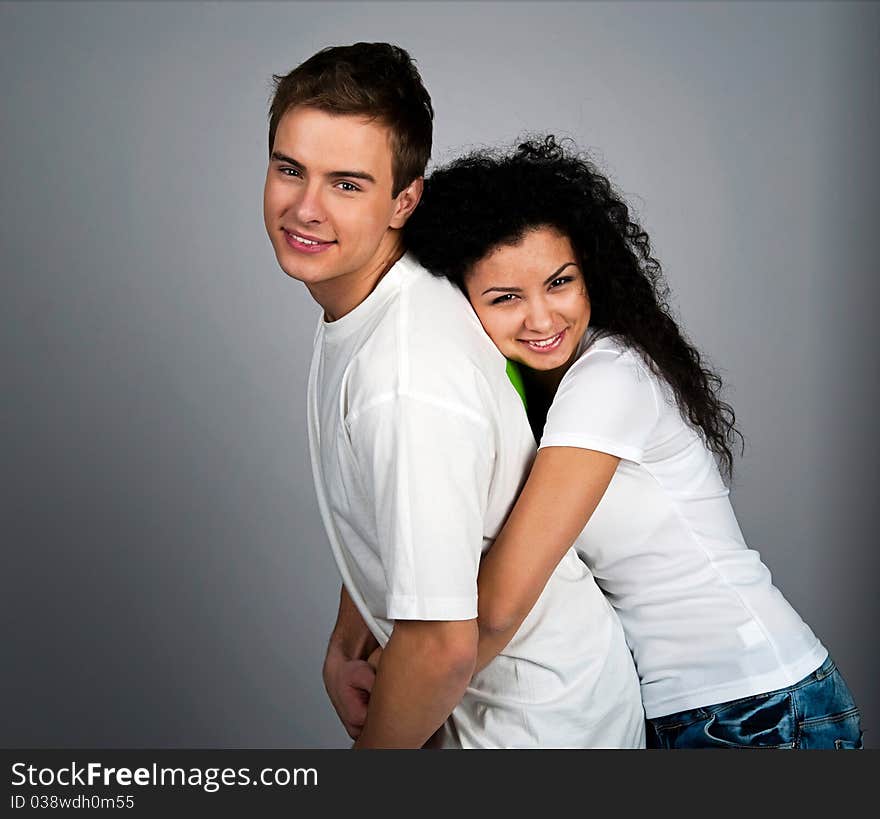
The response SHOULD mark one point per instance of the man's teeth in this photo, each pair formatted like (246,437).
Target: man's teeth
(304,240)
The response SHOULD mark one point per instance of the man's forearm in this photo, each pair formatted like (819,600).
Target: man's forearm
(425,669)
(492,643)
(351,638)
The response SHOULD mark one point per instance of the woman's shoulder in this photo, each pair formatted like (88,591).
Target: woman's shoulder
(603,354)
(607,401)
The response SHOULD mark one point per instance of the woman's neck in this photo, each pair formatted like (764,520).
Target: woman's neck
(541,386)
(543,382)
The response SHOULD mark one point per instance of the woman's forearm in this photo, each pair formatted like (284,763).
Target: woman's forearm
(561,493)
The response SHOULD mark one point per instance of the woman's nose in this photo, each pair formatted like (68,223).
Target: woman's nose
(538,317)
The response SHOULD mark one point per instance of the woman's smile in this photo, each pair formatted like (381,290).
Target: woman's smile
(546,345)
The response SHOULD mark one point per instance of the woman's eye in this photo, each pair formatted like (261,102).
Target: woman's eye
(505,299)
(561,281)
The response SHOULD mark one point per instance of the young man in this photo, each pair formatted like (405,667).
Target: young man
(419,442)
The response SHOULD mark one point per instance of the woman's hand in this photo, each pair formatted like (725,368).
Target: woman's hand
(374,659)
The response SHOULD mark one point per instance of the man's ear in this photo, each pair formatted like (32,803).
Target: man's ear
(405,202)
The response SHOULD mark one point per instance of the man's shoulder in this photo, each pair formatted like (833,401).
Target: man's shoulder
(431,299)
(429,342)
(427,320)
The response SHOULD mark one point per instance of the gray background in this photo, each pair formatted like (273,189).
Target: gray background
(166,578)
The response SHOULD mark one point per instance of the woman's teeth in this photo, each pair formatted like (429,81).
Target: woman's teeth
(546,343)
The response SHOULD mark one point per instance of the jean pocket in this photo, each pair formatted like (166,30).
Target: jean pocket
(756,722)
(842,732)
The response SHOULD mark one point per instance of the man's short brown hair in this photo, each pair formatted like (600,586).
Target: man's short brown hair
(376,80)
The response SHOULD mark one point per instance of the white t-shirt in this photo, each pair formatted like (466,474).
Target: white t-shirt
(702,618)
(419,446)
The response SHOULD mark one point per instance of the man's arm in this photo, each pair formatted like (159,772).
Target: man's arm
(348,678)
(425,669)
(427,470)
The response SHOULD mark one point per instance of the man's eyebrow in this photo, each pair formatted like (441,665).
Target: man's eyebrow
(277,156)
(549,279)
(367,177)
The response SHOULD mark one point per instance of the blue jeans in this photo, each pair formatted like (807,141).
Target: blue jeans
(817,712)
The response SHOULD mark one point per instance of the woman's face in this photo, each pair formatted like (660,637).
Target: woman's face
(531,299)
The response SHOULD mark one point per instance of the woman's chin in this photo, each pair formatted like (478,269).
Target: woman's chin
(537,366)
(545,363)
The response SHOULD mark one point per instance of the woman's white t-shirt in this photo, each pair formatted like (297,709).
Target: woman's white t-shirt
(702,618)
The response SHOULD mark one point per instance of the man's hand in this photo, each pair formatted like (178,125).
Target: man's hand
(348,678)
(348,684)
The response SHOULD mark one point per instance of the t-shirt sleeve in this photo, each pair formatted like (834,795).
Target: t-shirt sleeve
(608,402)
(426,472)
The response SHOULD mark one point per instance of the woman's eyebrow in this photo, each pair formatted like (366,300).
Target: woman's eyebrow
(556,272)
(549,279)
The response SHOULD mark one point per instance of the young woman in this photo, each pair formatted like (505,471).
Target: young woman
(634,440)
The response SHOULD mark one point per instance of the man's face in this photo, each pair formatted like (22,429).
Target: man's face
(327,202)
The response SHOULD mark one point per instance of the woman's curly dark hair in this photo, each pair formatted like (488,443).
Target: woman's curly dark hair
(490,198)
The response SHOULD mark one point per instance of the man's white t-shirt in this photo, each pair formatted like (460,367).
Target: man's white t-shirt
(419,445)
(702,618)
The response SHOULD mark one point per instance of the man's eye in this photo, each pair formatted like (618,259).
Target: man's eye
(348,187)
(289,171)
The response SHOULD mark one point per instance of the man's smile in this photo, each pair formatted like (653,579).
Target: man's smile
(305,243)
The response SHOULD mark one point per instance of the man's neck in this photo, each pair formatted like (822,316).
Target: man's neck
(340,296)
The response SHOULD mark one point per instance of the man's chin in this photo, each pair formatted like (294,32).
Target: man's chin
(302,272)
(294,274)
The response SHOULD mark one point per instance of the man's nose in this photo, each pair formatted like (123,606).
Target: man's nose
(310,207)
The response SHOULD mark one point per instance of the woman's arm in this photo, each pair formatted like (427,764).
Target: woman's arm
(561,493)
